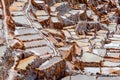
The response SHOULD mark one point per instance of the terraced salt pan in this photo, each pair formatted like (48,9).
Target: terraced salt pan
(109,78)
(85,48)
(37,25)
(1,34)
(80,77)
(54,19)
(89,77)
(41,13)
(75,36)
(0,23)
(39,2)
(112,27)
(100,52)
(25,31)
(35,43)
(73,12)
(53,31)
(115,42)
(0,11)
(67,34)
(117,36)
(41,18)
(114,39)
(30,37)
(20,19)
(116,55)
(84,40)
(89,57)
(102,32)
(2,49)
(80,43)
(41,50)
(109,63)
(112,45)
(105,70)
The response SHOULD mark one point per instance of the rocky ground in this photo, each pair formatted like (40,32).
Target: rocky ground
(60,40)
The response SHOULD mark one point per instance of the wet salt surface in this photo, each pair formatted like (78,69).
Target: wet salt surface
(0,11)
(25,31)
(116,55)
(21,19)
(100,52)
(88,77)
(2,49)
(41,50)
(1,34)
(35,43)
(89,57)
(80,77)
(105,70)
(0,24)
(37,25)
(41,18)
(108,78)
(112,45)
(111,64)
(55,19)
